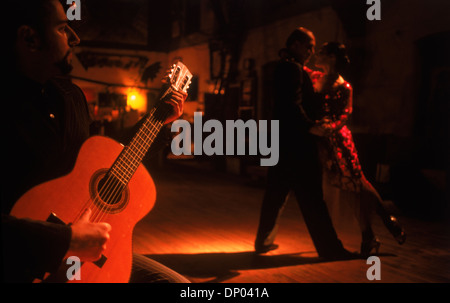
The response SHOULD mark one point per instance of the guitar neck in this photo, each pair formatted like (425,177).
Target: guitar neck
(132,155)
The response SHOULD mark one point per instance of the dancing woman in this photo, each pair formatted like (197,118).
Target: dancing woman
(340,159)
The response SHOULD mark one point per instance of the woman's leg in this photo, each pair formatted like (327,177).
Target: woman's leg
(372,198)
(368,201)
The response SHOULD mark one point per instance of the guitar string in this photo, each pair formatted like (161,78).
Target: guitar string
(118,189)
(106,188)
(92,201)
(113,187)
(109,182)
(134,160)
(114,184)
(117,185)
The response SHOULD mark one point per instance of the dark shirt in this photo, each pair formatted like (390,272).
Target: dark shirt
(43,128)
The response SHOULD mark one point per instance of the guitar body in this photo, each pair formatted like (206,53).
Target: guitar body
(68,196)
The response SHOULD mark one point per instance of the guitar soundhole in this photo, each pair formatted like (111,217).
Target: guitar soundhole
(107,192)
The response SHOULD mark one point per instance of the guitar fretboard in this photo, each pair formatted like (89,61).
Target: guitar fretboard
(132,155)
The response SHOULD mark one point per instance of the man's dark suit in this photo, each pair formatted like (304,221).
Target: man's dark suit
(298,168)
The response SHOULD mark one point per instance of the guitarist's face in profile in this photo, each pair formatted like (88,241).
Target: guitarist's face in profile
(59,39)
(49,51)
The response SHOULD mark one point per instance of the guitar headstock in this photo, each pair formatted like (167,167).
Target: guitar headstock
(179,77)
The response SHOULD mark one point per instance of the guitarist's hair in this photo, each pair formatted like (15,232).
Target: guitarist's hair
(34,13)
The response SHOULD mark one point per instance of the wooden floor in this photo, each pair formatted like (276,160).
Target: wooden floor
(204,223)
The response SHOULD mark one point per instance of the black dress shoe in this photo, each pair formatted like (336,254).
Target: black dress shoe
(265,248)
(368,246)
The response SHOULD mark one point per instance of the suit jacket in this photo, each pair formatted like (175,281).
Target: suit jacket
(43,128)
(294,97)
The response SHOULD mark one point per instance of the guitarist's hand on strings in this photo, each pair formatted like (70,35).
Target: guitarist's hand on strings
(88,239)
(176,100)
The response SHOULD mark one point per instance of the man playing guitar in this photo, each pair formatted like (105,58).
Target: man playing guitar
(45,124)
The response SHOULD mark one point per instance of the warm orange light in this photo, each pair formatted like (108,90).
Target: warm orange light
(136,100)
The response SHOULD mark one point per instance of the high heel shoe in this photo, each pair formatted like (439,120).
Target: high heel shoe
(367,246)
(396,230)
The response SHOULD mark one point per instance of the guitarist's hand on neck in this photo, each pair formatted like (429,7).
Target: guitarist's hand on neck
(176,100)
(88,239)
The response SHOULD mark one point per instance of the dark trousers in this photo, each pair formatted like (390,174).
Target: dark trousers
(302,175)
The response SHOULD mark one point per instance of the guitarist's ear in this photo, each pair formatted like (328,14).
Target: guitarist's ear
(28,38)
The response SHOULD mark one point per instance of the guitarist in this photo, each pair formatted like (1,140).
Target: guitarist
(45,121)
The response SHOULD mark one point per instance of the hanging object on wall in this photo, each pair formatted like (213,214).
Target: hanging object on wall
(89,59)
(150,72)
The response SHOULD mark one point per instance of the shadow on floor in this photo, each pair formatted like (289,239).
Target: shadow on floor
(224,266)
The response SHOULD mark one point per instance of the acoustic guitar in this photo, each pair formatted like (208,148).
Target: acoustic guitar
(109,179)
